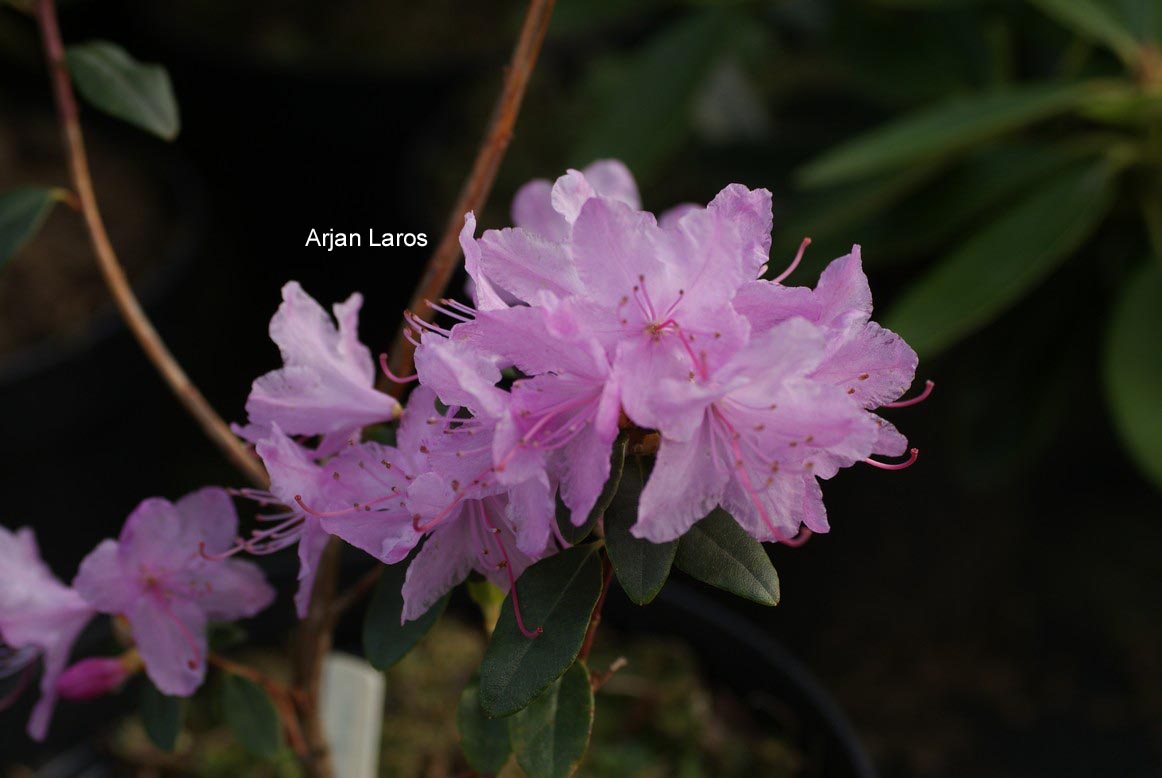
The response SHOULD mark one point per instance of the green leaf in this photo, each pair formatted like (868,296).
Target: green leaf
(551,735)
(942,129)
(642,567)
(719,552)
(385,640)
(113,81)
(251,716)
(162,716)
(1133,369)
(1002,261)
(557,594)
(1094,21)
(22,213)
(485,741)
(574,534)
(645,104)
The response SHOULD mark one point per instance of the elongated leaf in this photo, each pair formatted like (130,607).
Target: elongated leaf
(719,552)
(987,181)
(1133,369)
(642,567)
(162,716)
(485,741)
(1095,21)
(574,534)
(385,640)
(942,129)
(251,716)
(1004,260)
(551,735)
(22,212)
(113,81)
(557,594)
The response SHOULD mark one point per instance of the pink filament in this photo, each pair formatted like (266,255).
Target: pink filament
(915,400)
(795,262)
(392,376)
(511,578)
(912,455)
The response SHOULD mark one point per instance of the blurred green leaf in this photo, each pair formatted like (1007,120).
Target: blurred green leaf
(645,106)
(22,213)
(485,741)
(1094,20)
(385,640)
(557,594)
(135,92)
(642,567)
(718,551)
(251,716)
(988,180)
(162,716)
(574,534)
(942,129)
(1003,260)
(1133,368)
(551,735)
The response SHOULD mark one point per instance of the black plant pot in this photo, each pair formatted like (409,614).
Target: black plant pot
(736,654)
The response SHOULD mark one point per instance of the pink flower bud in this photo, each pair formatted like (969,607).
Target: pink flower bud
(91,678)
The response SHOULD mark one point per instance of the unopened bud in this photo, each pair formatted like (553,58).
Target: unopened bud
(97,676)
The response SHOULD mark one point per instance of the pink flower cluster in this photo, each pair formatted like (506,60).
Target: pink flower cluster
(590,316)
(154,576)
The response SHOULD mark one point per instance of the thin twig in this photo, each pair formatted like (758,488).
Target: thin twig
(115,278)
(599,679)
(595,619)
(474,194)
(312,644)
(283,697)
(354,592)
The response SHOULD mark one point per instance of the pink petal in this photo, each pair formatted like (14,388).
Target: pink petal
(685,485)
(874,365)
(532,210)
(171,637)
(445,560)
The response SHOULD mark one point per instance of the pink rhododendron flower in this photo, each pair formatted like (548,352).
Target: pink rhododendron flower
(470,526)
(39,617)
(158,577)
(356,495)
(327,385)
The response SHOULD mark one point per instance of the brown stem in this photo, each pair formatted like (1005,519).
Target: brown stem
(361,587)
(115,278)
(595,619)
(599,679)
(311,647)
(474,194)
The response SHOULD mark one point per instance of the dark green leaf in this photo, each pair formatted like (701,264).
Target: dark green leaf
(550,735)
(251,716)
(111,80)
(942,129)
(642,567)
(645,104)
(484,741)
(162,716)
(1133,368)
(557,594)
(1095,21)
(1003,260)
(22,212)
(385,640)
(719,552)
(573,534)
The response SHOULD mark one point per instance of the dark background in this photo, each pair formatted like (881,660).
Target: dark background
(991,611)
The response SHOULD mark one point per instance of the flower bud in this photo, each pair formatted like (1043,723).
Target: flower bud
(94,677)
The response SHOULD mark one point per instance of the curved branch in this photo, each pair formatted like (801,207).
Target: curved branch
(474,194)
(115,278)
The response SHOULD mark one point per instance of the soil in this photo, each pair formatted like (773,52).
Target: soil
(52,289)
